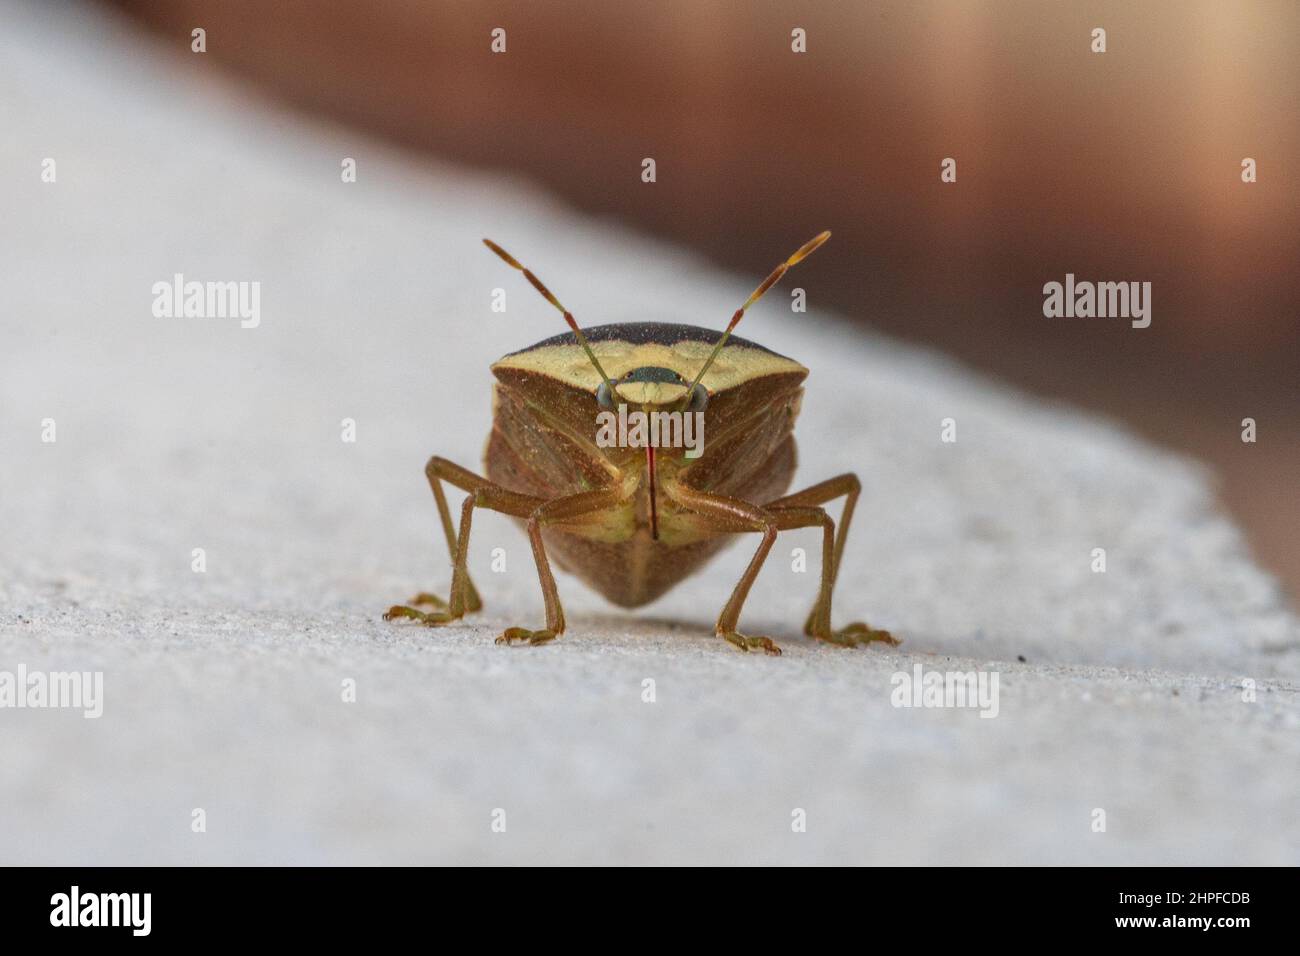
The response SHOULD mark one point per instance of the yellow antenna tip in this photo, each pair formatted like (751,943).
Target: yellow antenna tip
(809,247)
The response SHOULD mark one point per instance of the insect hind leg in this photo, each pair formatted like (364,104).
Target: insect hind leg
(809,500)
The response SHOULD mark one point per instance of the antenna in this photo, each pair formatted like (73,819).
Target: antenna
(568,316)
(804,251)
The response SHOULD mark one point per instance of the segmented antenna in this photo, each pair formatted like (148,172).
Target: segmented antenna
(804,252)
(549,297)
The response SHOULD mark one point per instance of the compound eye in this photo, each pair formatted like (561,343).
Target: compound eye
(699,399)
(603,397)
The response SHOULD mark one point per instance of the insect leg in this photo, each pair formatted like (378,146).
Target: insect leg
(805,516)
(819,619)
(482,493)
(556,511)
(436,470)
(733,514)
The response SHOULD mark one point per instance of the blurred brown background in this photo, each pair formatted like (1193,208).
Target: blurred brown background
(1117,166)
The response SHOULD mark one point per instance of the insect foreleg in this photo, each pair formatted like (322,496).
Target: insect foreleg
(556,511)
(726,514)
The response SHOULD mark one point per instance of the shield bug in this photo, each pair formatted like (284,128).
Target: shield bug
(598,449)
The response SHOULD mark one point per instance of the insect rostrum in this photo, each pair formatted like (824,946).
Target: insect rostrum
(633,518)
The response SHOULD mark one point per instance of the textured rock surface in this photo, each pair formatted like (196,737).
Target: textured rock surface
(222,690)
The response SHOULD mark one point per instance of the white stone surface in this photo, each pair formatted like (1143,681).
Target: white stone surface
(222,690)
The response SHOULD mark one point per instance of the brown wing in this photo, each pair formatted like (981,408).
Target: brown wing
(749,449)
(532,451)
(537,452)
